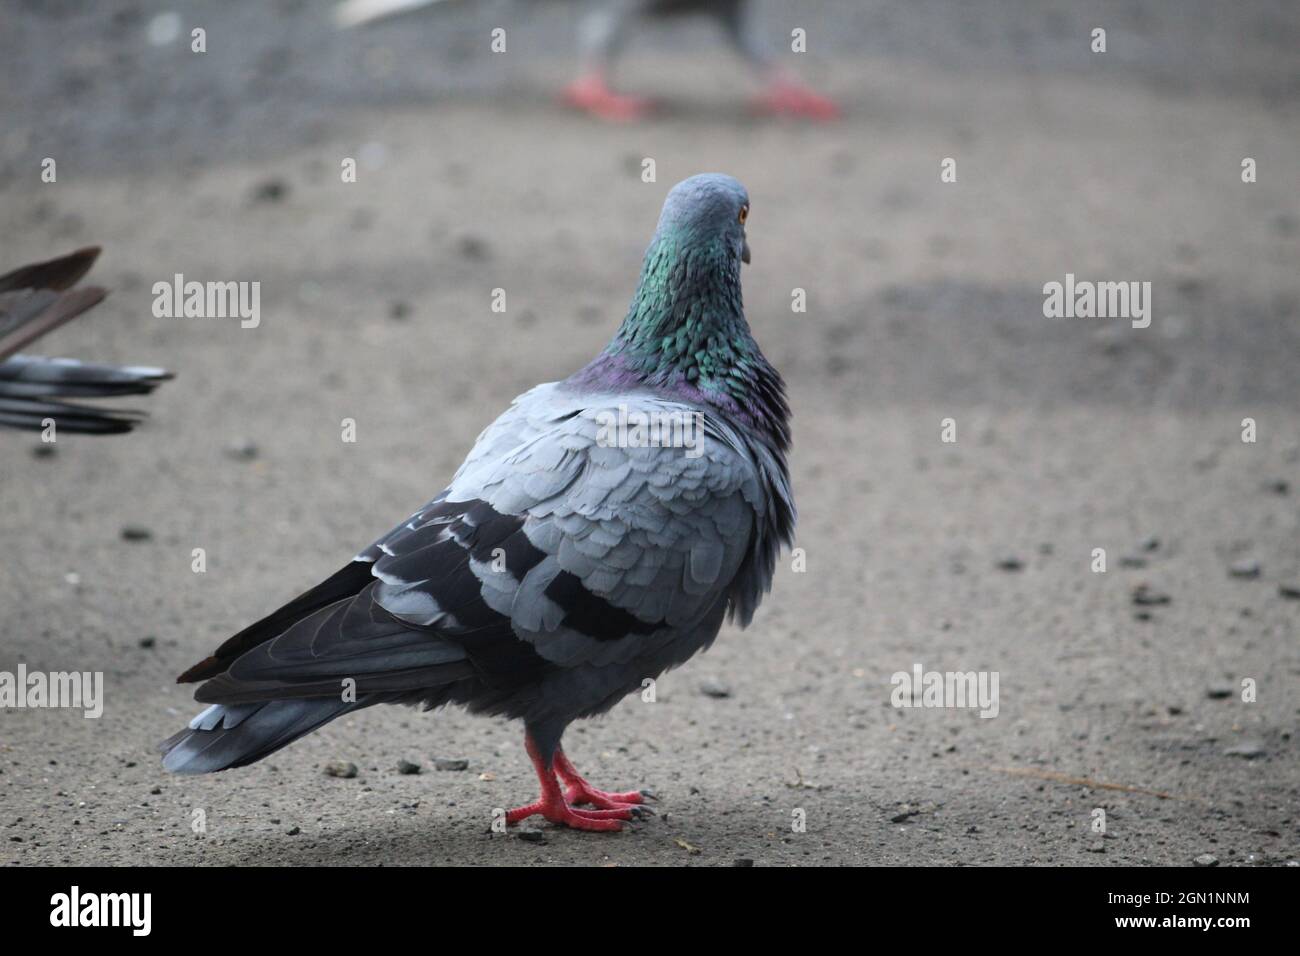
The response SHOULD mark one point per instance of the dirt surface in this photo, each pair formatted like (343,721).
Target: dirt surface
(924,303)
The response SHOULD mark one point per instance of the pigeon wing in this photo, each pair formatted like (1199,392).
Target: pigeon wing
(551,547)
(594,549)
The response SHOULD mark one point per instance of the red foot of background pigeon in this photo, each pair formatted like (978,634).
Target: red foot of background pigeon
(592,94)
(789,98)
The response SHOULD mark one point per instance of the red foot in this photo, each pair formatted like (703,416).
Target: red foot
(788,98)
(557,811)
(592,95)
(557,807)
(579,791)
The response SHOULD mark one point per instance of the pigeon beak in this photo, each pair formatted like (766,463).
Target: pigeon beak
(744,251)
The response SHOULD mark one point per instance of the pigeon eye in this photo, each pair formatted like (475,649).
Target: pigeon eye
(744,214)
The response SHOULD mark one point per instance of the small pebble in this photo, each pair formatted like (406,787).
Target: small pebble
(341,768)
(270,190)
(531,836)
(242,450)
(1206,860)
(135,532)
(450,763)
(407,767)
(1011,563)
(1245,569)
(1219,691)
(711,687)
(1247,749)
(293,831)
(1145,595)
(472,247)
(164,28)
(148,642)
(1291,590)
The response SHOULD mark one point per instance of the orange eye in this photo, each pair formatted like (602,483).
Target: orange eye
(744,214)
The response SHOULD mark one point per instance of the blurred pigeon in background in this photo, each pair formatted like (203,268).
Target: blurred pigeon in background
(604,33)
(34,300)
(598,533)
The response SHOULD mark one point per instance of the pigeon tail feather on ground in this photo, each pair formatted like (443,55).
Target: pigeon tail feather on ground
(567,561)
(34,300)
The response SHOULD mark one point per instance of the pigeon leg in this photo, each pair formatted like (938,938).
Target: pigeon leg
(603,33)
(784,93)
(555,808)
(579,791)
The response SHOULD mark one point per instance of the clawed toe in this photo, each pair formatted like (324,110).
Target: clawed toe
(578,795)
(609,820)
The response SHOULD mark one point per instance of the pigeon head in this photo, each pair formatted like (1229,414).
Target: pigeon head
(685,334)
(706,210)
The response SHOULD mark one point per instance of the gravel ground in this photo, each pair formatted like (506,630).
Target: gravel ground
(924,303)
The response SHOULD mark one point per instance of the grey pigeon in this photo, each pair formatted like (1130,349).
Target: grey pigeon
(575,553)
(604,33)
(34,300)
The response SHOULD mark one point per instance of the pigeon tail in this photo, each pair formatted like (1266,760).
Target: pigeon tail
(358,13)
(226,736)
(31,388)
(35,376)
(34,300)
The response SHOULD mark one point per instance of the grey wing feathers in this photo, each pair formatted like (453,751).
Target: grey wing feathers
(622,541)
(549,548)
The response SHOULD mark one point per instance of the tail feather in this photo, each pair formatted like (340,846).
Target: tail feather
(31,414)
(59,274)
(355,13)
(27,315)
(37,298)
(34,300)
(32,376)
(226,736)
(31,388)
